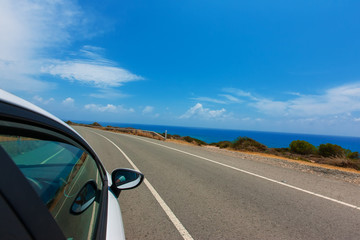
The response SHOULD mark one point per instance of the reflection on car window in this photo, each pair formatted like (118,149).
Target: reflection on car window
(57,172)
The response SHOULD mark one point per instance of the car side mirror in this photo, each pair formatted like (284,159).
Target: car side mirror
(84,198)
(124,179)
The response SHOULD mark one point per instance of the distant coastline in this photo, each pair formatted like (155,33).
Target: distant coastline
(325,153)
(270,139)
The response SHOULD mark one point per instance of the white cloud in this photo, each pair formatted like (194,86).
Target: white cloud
(92,73)
(199,111)
(294,93)
(93,52)
(100,108)
(239,92)
(271,107)
(32,30)
(27,28)
(91,68)
(108,108)
(108,93)
(17,76)
(339,100)
(231,98)
(30,25)
(227,99)
(68,101)
(37,99)
(148,109)
(206,99)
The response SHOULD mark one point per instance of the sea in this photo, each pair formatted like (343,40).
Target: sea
(270,139)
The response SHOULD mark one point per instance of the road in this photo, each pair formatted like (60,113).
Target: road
(215,196)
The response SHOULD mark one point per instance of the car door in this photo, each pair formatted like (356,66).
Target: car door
(51,182)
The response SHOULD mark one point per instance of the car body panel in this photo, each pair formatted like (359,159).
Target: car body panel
(19,111)
(115,226)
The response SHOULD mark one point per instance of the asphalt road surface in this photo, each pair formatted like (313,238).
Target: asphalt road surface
(191,193)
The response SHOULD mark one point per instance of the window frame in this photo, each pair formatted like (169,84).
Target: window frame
(45,127)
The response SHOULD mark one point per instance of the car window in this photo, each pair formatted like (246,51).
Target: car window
(65,177)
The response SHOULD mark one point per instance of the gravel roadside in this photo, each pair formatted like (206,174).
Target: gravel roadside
(343,174)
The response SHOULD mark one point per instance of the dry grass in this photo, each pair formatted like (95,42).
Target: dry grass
(326,163)
(181,142)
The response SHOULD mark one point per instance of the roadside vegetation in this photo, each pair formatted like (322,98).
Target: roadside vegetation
(187,139)
(328,153)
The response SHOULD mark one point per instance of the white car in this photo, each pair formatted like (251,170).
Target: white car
(52,184)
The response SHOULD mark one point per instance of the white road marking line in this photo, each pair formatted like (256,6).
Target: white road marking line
(52,156)
(182,230)
(253,174)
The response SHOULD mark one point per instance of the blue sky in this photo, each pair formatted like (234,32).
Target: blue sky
(284,66)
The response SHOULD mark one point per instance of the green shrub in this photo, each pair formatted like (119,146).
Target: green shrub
(188,139)
(248,144)
(281,150)
(223,144)
(194,140)
(278,151)
(331,150)
(200,142)
(352,155)
(96,124)
(175,136)
(302,147)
